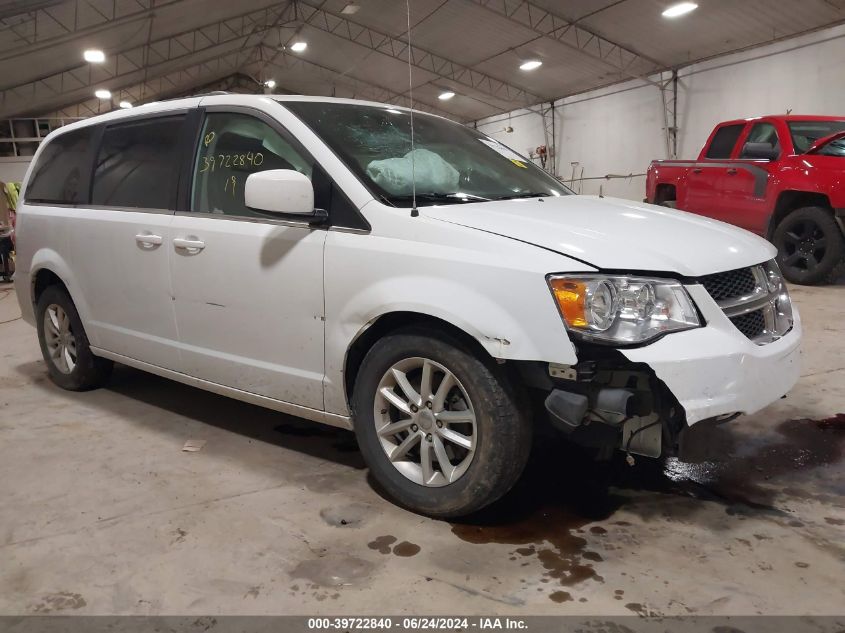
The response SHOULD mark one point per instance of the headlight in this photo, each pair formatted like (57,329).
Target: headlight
(781,303)
(622,310)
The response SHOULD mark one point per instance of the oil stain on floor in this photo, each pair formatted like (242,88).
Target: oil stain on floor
(563,490)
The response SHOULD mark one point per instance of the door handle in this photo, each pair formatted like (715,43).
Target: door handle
(188,244)
(697,170)
(732,171)
(148,240)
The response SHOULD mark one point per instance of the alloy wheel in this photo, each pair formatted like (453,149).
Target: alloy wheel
(425,422)
(804,245)
(59,338)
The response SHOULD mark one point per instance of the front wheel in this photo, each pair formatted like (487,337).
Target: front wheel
(811,248)
(440,428)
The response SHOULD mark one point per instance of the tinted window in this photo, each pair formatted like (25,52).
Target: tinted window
(62,173)
(138,166)
(762,133)
(724,141)
(233,146)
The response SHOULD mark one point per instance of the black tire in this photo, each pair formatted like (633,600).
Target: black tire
(503,429)
(811,247)
(89,371)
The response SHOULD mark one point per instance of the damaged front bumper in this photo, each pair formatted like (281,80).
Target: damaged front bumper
(643,399)
(716,371)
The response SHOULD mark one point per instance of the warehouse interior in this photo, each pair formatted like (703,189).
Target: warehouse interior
(103,510)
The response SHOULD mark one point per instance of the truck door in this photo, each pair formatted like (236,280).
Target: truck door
(746,184)
(705,179)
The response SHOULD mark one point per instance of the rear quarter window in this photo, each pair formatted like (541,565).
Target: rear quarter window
(62,174)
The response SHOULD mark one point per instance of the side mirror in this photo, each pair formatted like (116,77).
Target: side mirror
(283,191)
(760,151)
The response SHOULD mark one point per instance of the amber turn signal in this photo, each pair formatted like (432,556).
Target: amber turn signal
(571,298)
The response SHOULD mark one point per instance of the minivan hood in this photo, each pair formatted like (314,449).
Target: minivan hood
(615,234)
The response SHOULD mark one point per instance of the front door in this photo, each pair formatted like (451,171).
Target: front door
(248,287)
(749,205)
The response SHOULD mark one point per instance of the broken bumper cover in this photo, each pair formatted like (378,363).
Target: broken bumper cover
(715,370)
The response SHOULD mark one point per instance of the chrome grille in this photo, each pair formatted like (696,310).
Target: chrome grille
(730,284)
(750,300)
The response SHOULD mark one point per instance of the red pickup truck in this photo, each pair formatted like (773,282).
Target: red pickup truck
(782,177)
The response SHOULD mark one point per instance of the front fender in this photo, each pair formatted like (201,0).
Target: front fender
(500,298)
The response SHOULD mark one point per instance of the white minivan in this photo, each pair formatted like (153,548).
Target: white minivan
(268,248)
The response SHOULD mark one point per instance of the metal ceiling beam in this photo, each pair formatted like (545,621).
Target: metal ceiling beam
(177,82)
(359,89)
(612,55)
(136,63)
(72,19)
(397,48)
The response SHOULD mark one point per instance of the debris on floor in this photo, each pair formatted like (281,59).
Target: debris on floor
(192,446)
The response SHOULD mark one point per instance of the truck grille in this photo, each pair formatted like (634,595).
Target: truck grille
(746,299)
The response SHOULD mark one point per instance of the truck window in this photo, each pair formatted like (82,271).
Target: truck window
(62,173)
(724,140)
(137,165)
(762,133)
(805,133)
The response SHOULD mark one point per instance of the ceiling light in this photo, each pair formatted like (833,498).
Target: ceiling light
(94,55)
(298,47)
(445,96)
(102,94)
(125,105)
(270,83)
(531,64)
(350,8)
(682,8)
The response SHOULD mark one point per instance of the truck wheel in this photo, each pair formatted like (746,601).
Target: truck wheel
(440,428)
(811,248)
(64,345)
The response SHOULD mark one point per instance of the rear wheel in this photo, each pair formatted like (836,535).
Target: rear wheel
(440,428)
(811,248)
(64,344)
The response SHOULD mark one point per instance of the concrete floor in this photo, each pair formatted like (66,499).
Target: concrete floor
(102,513)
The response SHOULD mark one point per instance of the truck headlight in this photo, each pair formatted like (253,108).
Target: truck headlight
(618,310)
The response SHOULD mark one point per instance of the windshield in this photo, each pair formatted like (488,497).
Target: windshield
(805,133)
(450,164)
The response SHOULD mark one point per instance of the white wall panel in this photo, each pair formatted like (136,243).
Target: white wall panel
(619,130)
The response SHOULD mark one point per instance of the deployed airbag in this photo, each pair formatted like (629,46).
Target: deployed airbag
(431,172)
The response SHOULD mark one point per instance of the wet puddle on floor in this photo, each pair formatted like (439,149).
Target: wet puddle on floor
(545,517)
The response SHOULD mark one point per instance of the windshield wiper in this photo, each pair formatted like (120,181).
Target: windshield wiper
(437,197)
(526,194)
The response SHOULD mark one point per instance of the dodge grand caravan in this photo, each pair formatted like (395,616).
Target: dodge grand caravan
(440,298)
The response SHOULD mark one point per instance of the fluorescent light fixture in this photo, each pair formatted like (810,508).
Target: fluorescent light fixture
(94,55)
(677,10)
(125,105)
(530,64)
(351,9)
(298,47)
(270,83)
(102,93)
(445,96)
